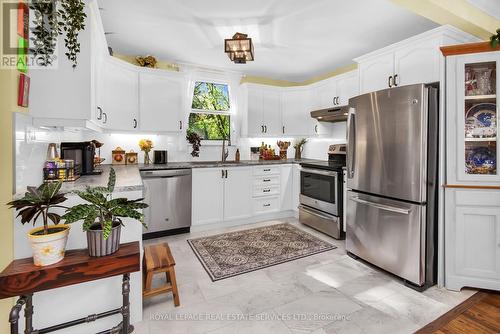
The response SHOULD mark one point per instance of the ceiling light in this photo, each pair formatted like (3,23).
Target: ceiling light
(239,48)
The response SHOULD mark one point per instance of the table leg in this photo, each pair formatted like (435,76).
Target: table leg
(126,305)
(14,315)
(28,314)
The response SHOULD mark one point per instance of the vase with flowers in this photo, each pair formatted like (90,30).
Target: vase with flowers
(146,145)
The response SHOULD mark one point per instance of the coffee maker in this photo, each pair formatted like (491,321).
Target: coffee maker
(83,154)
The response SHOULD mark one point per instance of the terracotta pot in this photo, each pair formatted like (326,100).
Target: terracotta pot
(49,248)
(100,247)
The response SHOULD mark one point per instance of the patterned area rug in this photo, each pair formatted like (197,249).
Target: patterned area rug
(230,254)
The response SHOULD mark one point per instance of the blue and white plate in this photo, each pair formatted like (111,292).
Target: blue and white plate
(484,113)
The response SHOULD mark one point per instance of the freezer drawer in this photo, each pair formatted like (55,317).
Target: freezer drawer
(387,233)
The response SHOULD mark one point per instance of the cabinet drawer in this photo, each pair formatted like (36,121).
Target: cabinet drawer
(265,181)
(266,205)
(266,170)
(266,191)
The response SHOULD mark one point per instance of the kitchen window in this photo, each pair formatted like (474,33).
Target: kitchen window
(210,111)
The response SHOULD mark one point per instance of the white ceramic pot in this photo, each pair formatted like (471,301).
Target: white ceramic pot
(48,248)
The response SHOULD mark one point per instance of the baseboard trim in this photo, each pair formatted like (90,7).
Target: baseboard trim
(244,221)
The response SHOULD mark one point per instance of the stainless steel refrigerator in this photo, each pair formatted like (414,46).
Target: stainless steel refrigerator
(392,157)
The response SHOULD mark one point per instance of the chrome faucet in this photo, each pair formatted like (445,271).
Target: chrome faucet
(225,151)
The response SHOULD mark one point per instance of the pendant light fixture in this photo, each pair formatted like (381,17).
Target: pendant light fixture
(239,48)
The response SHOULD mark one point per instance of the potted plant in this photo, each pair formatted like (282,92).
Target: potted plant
(48,241)
(102,216)
(299,146)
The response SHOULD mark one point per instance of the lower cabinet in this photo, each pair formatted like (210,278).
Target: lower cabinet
(232,193)
(472,239)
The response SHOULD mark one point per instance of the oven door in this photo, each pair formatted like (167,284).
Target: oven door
(318,189)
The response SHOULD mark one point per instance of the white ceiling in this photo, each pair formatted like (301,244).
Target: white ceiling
(294,39)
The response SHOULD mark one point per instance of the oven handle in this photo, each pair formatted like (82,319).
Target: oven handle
(319,171)
(381,206)
(316,212)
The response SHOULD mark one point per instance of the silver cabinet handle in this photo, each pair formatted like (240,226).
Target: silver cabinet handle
(262,128)
(266,170)
(266,190)
(105,116)
(266,180)
(390,82)
(381,206)
(266,205)
(265,128)
(99,115)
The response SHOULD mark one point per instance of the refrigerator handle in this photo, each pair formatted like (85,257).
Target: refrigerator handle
(351,140)
(381,206)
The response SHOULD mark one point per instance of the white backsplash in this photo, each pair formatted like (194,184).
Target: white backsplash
(31,147)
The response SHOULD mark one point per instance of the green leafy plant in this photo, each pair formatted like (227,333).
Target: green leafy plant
(49,22)
(298,145)
(495,39)
(103,209)
(38,202)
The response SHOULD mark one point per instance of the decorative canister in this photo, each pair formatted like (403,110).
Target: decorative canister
(131,158)
(118,156)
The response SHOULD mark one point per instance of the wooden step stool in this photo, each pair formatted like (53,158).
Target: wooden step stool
(158,259)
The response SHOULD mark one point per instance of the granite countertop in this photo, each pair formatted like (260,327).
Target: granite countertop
(208,164)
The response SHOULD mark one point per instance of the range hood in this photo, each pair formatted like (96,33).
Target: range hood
(337,114)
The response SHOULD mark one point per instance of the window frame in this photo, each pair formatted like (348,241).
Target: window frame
(229,112)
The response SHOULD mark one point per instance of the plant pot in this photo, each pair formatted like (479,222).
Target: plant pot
(100,247)
(48,248)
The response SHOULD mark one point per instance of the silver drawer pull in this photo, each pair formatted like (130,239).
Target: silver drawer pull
(267,170)
(266,180)
(382,206)
(266,205)
(266,190)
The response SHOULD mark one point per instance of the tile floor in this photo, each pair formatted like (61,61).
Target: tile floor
(323,293)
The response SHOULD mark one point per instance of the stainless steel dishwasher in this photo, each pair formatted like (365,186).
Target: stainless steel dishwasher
(168,193)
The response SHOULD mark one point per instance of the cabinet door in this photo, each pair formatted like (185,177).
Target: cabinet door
(207,196)
(286,189)
(237,193)
(120,96)
(477,244)
(271,101)
(254,110)
(296,113)
(324,95)
(472,116)
(374,73)
(347,87)
(161,101)
(417,63)
(296,187)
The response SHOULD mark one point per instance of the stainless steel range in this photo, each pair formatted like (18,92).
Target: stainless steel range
(321,195)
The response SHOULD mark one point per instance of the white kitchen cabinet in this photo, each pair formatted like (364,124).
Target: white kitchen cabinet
(414,60)
(296,187)
(323,94)
(120,100)
(375,74)
(286,191)
(161,101)
(237,193)
(264,111)
(472,246)
(347,87)
(417,62)
(207,196)
(297,119)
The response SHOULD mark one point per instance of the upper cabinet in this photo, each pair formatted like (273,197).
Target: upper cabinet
(264,110)
(297,120)
(472,118)
(119,96)
(414,60)
(161,102)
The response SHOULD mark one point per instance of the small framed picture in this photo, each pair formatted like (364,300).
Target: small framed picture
(24,90)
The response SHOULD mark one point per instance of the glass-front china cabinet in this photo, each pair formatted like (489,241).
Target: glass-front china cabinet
(471,234)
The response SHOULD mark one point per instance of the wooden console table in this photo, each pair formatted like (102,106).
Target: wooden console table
(22,278)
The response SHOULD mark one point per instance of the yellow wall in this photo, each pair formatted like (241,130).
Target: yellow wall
(458,13)
(8,105)
(163,65)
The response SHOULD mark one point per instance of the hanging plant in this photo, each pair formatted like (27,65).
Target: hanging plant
(45,31)
(50,22)
(195,140)
(72,21)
